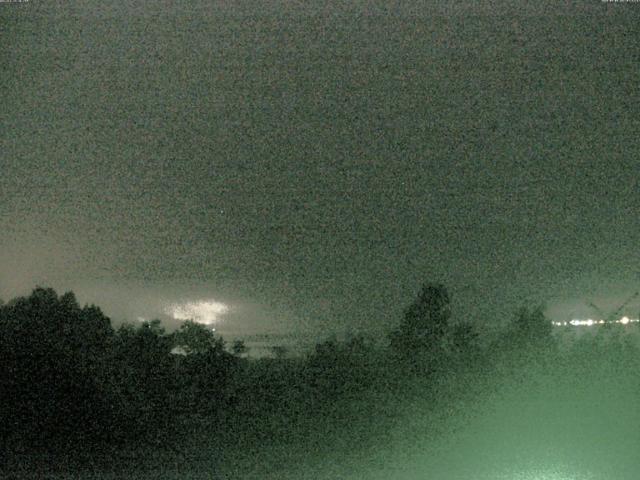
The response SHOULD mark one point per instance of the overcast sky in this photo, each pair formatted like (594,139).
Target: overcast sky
(310,164)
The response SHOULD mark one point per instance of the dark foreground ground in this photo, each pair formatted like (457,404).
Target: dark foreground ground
(540,426)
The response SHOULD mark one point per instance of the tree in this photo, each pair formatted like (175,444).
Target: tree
(463,339)
(54,358)
(239,348)
(205,373)
(143,378)
(531,326)
(527,342)
(196,338)
(424,326)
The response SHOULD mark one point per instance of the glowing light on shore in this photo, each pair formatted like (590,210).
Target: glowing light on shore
(590,322)
(206,312)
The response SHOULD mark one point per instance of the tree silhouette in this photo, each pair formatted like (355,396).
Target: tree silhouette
(144,380)
(531,326)
(239,348)
(53,383)
(526,344)
(205,373)
(196,338)
(463,339)
(420,336)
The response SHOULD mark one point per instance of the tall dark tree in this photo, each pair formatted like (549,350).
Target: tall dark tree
(206,371)
(527,344)
(143,376)
(531,326)
(54,356)
(196,338)
(424,325)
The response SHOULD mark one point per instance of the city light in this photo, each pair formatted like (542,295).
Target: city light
(590,322)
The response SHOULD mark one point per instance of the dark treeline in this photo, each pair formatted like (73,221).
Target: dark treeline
(72,387)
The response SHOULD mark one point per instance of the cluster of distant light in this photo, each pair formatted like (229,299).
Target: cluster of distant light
(206,312)
(589,322)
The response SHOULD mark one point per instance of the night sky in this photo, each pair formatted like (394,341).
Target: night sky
(311,164)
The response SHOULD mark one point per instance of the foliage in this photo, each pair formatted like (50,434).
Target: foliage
(239,348)
(54,358)
(70,379)
(196,338)
(532,326)
(71,383)
(419,341)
